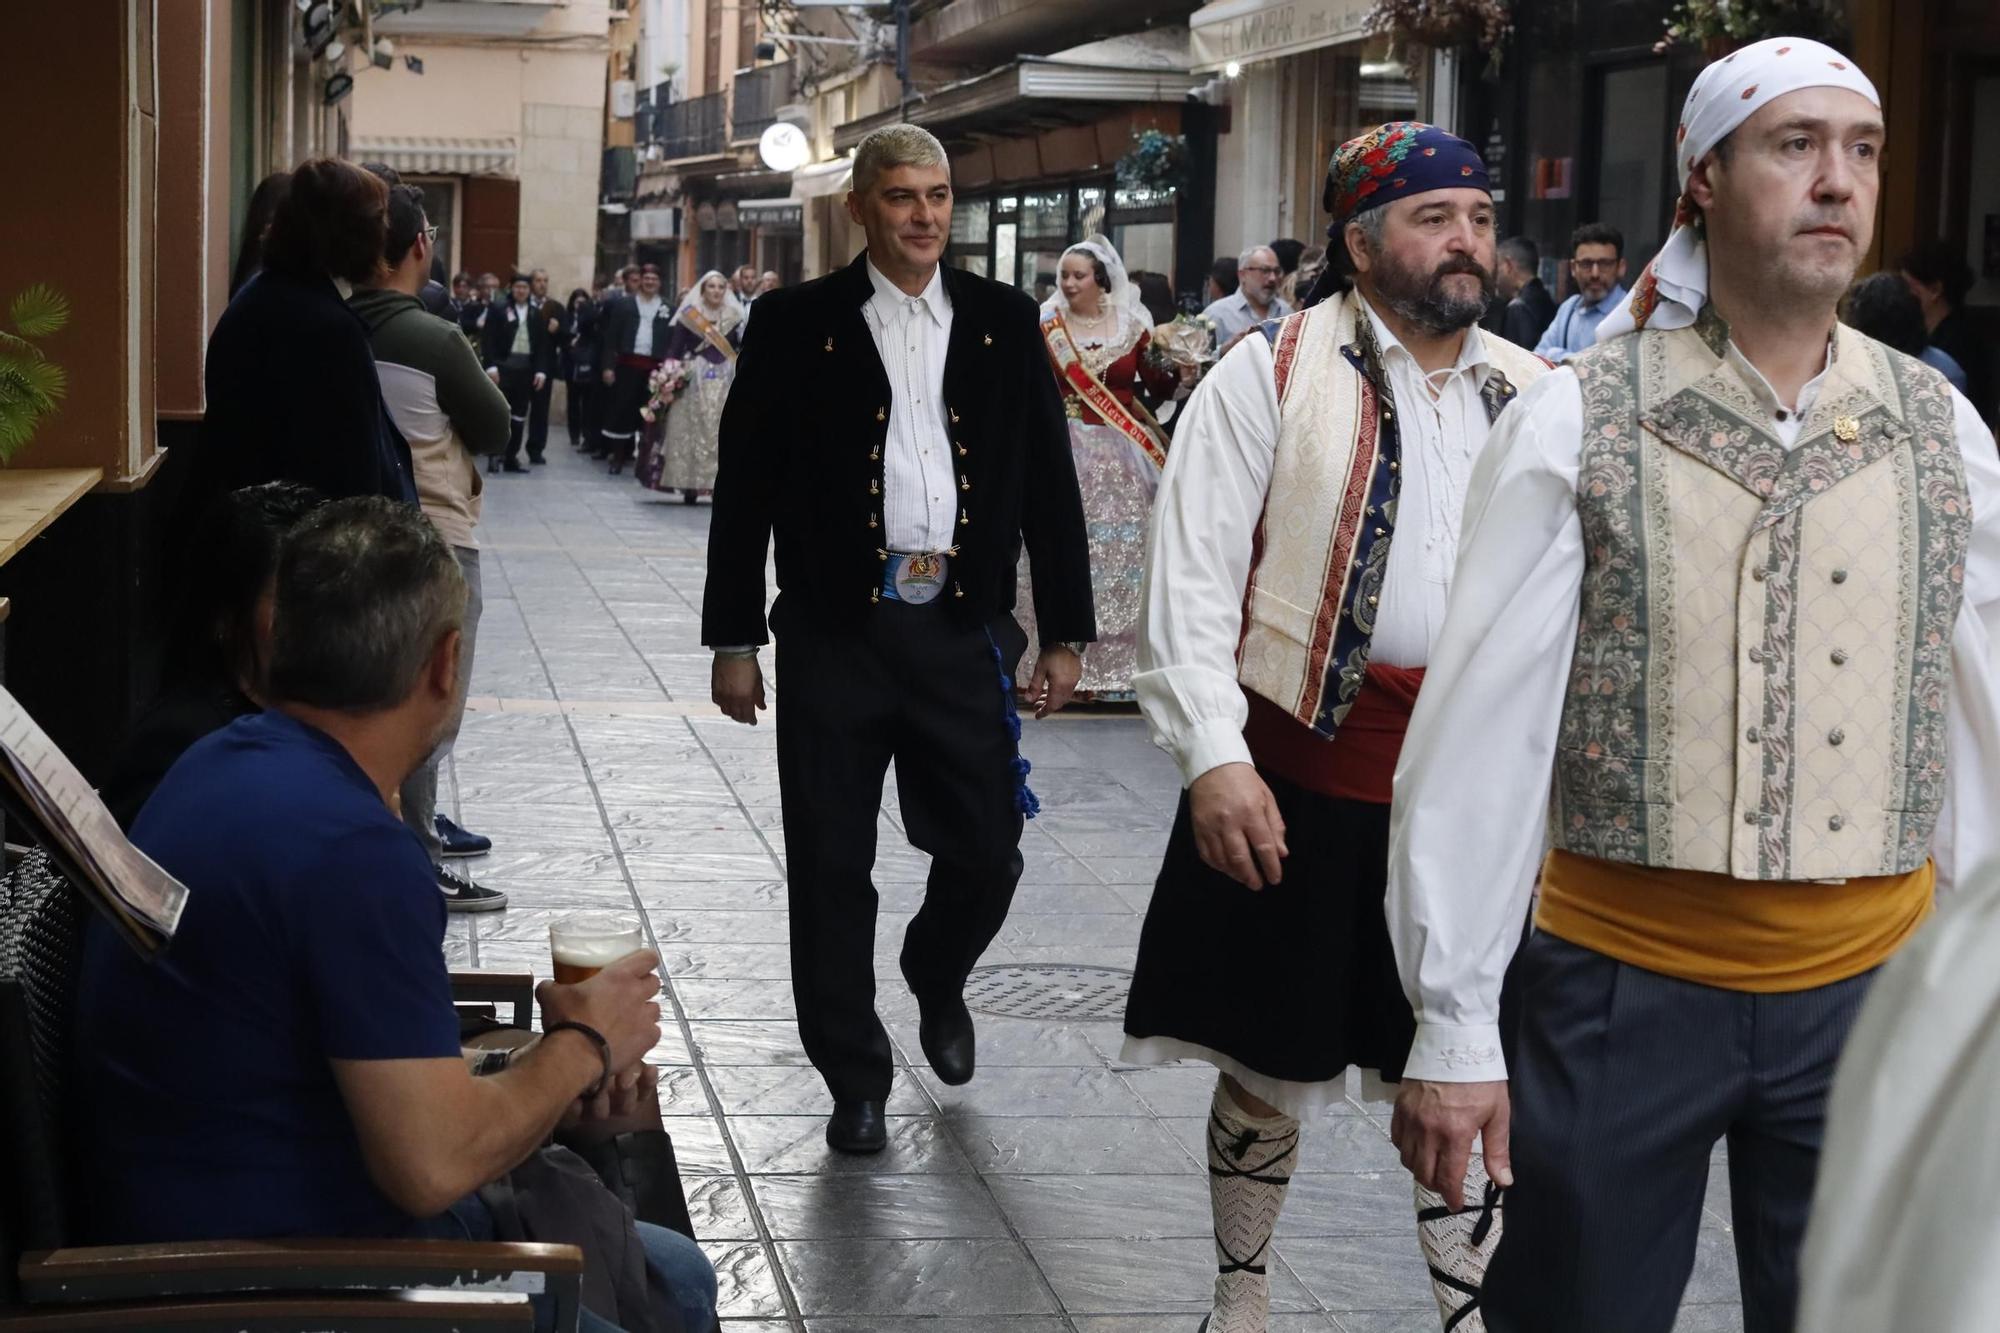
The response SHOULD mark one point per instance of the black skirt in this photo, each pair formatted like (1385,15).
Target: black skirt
(1296,981)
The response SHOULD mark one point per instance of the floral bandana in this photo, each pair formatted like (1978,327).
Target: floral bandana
(1674,287)
(1399,160)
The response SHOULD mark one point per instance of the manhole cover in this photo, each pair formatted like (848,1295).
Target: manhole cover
(1066,991)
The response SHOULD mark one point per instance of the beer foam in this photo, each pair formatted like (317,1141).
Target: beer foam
(594,950)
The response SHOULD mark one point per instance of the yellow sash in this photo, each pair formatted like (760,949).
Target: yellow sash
(1069,366)
(701,324)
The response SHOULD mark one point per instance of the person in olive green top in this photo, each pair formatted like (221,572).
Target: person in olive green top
(448,410)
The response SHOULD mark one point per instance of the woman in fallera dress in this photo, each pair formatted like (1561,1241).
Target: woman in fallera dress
(1101,348)
(706,335)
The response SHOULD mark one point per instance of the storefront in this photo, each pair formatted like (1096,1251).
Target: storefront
(1035,147)
(1300,78)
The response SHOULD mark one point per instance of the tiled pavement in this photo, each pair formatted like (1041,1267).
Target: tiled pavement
(1059,1190)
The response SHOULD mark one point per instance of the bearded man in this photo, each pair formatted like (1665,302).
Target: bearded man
(1729,579)
(1302,546)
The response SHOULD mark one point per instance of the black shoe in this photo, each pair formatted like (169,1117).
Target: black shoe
(462,895)
(945,1032)
(493,463)
(512,465)
(689,497)
(538,460)
(457,842)
(600,454)
(617,466)
(857,1127)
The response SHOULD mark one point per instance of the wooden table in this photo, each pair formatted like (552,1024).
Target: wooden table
(33,498)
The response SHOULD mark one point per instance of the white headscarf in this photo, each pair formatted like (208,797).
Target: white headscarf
(1121,297)
(1674,287)
(726,316)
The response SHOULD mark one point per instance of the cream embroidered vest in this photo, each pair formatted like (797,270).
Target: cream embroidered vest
(1764,647)
(1322,544)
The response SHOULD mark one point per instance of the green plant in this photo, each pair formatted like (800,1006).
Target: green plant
(1157,161)
(1697,21)
(31,385)
(1416,27)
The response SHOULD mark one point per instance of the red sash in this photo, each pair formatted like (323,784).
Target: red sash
(1359,764)
(1069,365)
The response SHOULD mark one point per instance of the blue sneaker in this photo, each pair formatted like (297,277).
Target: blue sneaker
(457,842)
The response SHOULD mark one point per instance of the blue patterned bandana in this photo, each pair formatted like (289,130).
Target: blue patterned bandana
(1399,160)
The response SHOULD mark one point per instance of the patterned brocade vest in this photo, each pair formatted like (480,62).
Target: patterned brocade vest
(1322,545)
(1764,648)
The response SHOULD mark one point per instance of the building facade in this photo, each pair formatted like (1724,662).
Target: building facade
(504,129)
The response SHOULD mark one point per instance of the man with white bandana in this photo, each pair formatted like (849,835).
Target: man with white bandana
(1729,578)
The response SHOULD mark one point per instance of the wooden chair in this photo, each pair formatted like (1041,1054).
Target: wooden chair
(272,1286)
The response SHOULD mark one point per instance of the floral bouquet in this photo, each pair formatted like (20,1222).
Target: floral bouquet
(1187,341)
(662,387)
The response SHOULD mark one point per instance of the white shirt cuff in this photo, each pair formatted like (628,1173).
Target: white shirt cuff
(1210,745)
(1447,1053)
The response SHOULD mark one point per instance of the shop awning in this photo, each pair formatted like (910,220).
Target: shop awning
(1247,30)
(422,154)
(1071,87)
(820,179)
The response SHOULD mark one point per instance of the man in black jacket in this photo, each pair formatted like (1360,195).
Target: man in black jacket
(632,340)
(556,320)
(935,448)
(520,357)
(1525,308)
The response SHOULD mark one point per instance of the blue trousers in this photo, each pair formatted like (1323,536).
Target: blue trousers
(679,1268)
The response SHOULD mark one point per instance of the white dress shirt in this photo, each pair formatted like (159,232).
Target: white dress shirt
(919,487)
(642,342)
(1211,497)
(1472,786)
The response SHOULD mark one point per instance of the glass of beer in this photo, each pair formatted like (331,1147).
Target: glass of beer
(588,942)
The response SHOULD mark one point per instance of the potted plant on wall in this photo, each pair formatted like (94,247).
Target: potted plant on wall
(1416,27)
(31,385)
(1721,26)
(1156,163)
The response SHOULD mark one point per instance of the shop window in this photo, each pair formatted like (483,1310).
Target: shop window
(1004,240)
(1635,127)
(971,220)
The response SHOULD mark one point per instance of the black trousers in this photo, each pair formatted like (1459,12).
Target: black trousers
(1623,1082)
(912,687)
(619,434)
(580,407)
(517,382)
(538,417)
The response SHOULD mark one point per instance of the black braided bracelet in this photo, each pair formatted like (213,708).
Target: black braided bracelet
(603,1051)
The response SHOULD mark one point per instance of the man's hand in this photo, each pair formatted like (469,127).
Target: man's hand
(1054,679)
(619,1099)
(737,686)
(610,377)
(1434,1126)
(493,373)
(555,325)
(540,380)
(1237,827)
(618,1002)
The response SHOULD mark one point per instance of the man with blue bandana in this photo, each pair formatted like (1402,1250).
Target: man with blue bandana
(1302,545)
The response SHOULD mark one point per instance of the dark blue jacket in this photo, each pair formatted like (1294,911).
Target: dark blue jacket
(292,396)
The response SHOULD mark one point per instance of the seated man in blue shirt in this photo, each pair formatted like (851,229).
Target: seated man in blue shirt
(290,1066)
(1597,269)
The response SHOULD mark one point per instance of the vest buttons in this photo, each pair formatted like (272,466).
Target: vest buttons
(1371,601)
(1836,823)
(1753,735)
(1840,576)
(1840,657)
(1759,574)
(1836,736)
(1757,654)
(1752,817)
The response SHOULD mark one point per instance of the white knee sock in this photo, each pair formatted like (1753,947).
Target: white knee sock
(1250,1161)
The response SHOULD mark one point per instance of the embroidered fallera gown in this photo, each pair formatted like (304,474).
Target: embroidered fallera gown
(689,448)
(1118,478)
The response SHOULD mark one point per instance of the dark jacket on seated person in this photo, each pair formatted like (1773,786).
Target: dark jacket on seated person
(314,932)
